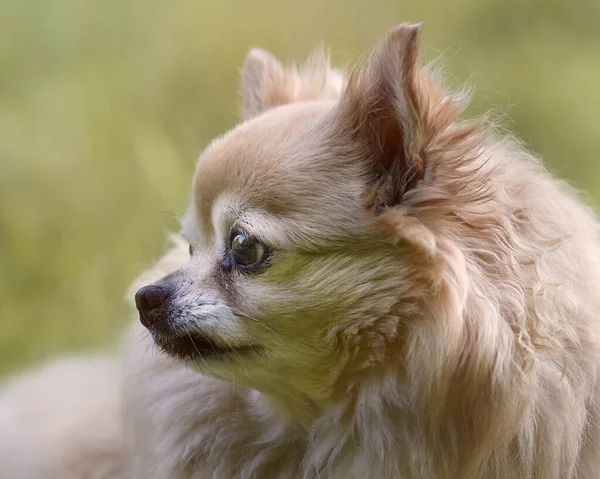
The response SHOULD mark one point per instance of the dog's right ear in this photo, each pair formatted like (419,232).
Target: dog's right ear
(398,115)
(266,83)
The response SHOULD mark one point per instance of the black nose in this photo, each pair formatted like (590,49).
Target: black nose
(148,301)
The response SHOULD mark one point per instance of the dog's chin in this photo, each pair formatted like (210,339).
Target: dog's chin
(197,347)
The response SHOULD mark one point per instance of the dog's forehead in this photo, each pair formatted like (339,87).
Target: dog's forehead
(279,162)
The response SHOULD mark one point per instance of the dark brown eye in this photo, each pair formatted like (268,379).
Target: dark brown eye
(245,251)
(191,250)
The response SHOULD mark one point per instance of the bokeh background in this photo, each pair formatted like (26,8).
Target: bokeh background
(104,106)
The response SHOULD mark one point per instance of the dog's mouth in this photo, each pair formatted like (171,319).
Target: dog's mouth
(195,346)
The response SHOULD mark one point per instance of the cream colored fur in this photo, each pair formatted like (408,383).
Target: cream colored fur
(430,309)
(63,422)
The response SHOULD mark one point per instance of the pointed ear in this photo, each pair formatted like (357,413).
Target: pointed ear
(265,83)
(396,110)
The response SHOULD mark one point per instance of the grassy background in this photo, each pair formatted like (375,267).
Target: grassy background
(104,106)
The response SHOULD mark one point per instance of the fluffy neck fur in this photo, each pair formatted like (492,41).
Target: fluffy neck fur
(476,384)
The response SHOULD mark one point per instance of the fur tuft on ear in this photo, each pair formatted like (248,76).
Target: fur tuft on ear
(266,83)
(399,111)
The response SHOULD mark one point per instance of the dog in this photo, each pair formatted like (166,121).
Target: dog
(367,286)
(375,289)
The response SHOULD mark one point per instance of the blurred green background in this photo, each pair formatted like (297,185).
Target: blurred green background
(104,106)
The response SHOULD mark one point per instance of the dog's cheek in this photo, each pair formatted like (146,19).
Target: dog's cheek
(258,304)
(300,295)
(298,301)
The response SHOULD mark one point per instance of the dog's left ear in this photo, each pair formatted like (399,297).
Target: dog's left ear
(266,83)
(396,112)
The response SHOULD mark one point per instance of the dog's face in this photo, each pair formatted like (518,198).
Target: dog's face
(293,276)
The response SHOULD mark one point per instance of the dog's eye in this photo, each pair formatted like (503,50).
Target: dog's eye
(191,250)
(245,251)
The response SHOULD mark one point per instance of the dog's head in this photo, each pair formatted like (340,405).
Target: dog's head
(308,259)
